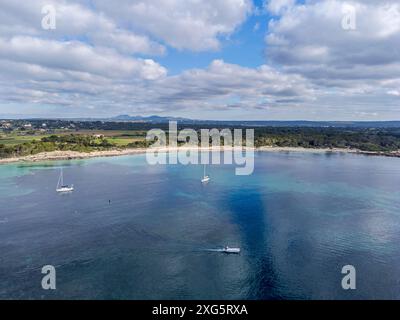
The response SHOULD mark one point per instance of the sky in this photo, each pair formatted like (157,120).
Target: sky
(201,59)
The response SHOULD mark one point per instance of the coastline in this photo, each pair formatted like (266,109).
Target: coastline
(71,155)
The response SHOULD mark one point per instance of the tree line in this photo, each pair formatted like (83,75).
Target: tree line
(370,139)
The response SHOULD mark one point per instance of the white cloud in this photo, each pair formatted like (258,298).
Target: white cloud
(190,24)
(221,83)
(102,58)
(279,6)
(394,93)
(309,40)
(221,86)
(311,37)
(76,56)
(74,20)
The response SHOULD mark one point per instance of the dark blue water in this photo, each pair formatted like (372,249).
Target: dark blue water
(298,220)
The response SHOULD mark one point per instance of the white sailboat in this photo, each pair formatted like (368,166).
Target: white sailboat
(61,187)
(206,178)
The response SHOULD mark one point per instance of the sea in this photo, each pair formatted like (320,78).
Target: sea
(131,230)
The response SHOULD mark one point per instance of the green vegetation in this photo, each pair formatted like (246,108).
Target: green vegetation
(79,143)
(97,136)
(376,140)
(13,139)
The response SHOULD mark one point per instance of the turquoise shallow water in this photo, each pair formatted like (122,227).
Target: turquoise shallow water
(298,220)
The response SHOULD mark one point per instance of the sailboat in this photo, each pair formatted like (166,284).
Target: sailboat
(61,187)
(206,178)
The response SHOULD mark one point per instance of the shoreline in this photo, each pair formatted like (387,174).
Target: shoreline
(73,155)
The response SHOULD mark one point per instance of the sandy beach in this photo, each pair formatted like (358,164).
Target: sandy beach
(70,155)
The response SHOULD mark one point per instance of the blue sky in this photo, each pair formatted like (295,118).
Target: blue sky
(245,47)
(210,59)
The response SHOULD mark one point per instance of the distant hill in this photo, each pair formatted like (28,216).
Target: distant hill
(300,123)
(154,119)
(319,124)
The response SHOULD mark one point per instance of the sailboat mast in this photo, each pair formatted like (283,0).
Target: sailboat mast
(60,186)
(60,179)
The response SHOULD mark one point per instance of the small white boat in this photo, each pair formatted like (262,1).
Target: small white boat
(61,187)
(231,250)
(65,189)
(206,178)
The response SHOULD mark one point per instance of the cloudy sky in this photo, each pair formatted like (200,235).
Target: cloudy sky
(204,59)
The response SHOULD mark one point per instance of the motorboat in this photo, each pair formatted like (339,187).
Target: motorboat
(231,250)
